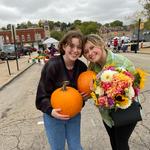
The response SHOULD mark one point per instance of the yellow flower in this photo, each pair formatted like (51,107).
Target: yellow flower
(94,85)
(122,101)
(93,95)
(142,75)
(123,77)
(108,65)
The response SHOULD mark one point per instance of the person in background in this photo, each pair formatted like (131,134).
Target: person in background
(99,57)
(116,44)
(124,47)
(52,50)
(65,67)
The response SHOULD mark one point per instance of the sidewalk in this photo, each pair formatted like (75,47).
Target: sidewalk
(5,77)
(142,50)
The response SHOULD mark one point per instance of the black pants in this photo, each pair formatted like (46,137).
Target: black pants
(119,136)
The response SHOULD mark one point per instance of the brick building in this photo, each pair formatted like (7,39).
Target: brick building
(30,35)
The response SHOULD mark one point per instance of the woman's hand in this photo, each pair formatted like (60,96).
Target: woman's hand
(85,96)
(56,114)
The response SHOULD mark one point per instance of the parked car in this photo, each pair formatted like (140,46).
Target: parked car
(26,50)
(8,51)
(134,38)
(33,49)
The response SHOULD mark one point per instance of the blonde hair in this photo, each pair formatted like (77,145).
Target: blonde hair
(95,39)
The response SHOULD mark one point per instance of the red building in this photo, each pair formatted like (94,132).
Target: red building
(30,35)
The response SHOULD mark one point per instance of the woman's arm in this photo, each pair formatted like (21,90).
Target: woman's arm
(45,89)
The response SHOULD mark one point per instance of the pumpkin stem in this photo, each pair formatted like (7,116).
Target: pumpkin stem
(65,83)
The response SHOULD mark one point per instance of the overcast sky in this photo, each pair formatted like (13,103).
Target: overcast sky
(102,11)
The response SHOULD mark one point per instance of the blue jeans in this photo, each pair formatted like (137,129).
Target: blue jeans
(59,130)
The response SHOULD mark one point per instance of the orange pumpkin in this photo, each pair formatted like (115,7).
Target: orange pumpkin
(68,99)
(84,81)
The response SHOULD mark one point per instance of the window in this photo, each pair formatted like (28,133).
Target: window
(22,38)
(28,37)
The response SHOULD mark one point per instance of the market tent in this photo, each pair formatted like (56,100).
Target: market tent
(50,41)
(27,45)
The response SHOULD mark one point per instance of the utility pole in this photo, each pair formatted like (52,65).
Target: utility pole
(8,66)
(14,38)
(138,37)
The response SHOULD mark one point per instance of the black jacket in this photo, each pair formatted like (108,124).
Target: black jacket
(53,74)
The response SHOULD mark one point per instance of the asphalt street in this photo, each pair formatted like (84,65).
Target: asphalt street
(21,125)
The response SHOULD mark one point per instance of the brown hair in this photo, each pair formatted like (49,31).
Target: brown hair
(67,39)
(95,39)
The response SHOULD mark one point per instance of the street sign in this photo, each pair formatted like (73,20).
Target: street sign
(141,25)
(13,33)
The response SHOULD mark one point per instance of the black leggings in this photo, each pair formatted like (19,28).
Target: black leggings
(119,136)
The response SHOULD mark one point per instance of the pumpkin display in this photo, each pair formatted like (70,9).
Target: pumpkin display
(84,81)
(68,99)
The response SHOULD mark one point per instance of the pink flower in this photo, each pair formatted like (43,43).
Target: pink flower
(102,101)
(110,68)
(105,85)
(137,91)
(129,74)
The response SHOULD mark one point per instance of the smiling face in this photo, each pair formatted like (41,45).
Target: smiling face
(72,49)
(93,53)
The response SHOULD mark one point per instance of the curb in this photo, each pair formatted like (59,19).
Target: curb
(140,53)
(13,78)
(136,53)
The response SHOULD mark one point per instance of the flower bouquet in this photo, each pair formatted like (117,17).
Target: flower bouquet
(116,87)
(114,91)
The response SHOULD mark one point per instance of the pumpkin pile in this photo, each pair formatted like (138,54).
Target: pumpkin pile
(68,99)
(84,81)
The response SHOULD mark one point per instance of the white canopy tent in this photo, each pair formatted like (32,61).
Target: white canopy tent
(27,45)
(50,41)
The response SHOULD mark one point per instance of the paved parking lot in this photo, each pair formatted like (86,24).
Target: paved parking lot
(20,116)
